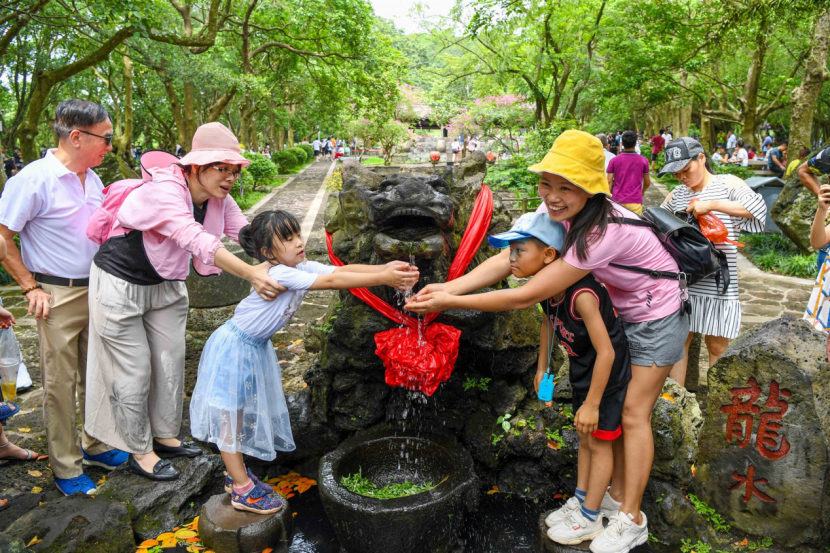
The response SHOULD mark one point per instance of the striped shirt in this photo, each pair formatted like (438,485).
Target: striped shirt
(713,313)
(717,190)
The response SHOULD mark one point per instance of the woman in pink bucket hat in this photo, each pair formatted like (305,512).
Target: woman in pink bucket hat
(138,299)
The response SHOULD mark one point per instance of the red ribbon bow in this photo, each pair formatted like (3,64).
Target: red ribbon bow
(422,355)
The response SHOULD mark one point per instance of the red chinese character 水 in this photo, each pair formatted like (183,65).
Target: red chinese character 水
(767,442)
(750,481)
(740,421)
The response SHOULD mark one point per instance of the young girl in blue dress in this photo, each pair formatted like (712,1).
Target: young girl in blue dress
(238,403)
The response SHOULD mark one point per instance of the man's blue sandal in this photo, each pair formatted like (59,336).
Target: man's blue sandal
(7,410)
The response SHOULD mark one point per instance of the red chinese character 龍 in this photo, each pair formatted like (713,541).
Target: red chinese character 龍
(749,481)
(739,424)
(767,440)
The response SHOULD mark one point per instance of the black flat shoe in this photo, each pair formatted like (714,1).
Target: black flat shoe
(187,449)
(162,471)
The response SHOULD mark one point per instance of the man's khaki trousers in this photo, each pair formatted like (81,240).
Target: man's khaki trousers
(63,346)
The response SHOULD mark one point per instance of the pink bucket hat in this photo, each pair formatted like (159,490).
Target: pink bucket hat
(214,143)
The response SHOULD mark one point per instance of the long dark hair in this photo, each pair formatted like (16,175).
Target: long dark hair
(708,164)
(588,226)
(265,230)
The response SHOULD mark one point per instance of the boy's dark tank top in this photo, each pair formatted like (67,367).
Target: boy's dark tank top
(574,337)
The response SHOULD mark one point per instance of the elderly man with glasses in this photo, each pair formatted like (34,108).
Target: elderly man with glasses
(49,203)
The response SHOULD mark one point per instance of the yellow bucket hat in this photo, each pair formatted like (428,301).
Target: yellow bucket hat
(578,157)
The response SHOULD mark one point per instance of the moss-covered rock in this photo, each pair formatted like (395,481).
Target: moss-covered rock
(764,458)
(676,422)
(77,524)
(794,211)
(156,507)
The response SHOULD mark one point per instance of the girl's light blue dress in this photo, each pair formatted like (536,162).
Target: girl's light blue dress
(238,403)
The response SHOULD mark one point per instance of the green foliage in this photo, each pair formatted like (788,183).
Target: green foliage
(308,149)
(261,172)
(249,199)
(356,483)
(510,425)
(763,543)
(710,514)
(555,436)
(775,253)
(733,169)
(373,160)
(480,383)
(698,547)
(512,174)
(285,159)
(299,153)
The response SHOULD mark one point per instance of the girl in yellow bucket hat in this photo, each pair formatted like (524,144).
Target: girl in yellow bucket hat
(574,190)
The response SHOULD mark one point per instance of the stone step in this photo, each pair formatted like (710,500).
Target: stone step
(223,528)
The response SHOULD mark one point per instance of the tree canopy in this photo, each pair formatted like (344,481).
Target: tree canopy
(280,71)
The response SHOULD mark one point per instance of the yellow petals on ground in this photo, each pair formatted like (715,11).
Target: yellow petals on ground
(165,536)
(37,489)
(169,543)
(494,490)
(35,473)
(667,397)
(184,534)
(34,541)
(149,543)
(24,429)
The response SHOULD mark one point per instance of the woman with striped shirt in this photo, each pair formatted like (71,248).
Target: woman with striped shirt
(715,314)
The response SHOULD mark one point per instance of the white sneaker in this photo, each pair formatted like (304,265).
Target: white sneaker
(575,529)
(621,535)
(562,512)
(609,506)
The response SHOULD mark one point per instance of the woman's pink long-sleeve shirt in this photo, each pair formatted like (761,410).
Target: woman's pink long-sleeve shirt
(163,210)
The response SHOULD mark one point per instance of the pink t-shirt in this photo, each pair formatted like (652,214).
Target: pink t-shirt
(635,296)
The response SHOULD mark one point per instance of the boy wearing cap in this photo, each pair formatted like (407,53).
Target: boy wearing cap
(593,336)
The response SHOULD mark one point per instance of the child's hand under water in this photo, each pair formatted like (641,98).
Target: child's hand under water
(586,419)
(400,275)
(429,303)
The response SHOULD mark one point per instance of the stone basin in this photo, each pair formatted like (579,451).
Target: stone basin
(430,521)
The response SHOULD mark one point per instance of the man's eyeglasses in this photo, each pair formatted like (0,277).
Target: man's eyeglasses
(107,137)
(225,172)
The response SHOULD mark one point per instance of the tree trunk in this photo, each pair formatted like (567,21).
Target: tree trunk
(272,129)
(218,108)
(805,97)
(280,139)
(291,110)
(749,102)
(121,143)
(45,81)
(706,134)
(254,133)
(189,113)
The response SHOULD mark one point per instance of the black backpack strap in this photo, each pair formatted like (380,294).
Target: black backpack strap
(650,272)
(630,221)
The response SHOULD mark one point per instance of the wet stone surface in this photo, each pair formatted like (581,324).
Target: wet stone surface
(223,528)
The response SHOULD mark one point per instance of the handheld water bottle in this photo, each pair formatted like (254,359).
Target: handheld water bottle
(546,387)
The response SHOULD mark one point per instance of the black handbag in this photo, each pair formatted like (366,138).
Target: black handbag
(696,257)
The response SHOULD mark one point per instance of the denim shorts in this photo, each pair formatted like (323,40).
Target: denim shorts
(661,341)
